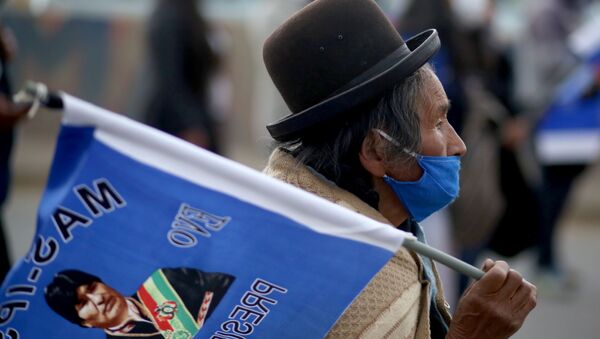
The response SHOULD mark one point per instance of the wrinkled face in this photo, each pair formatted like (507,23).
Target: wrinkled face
(438,137)
(100,306)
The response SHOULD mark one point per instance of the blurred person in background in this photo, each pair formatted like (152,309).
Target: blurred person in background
(10,114)
(544,60)
(183,61)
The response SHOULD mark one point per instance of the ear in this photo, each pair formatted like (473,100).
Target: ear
(371,155)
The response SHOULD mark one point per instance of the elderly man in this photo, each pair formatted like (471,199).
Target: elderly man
(368,131)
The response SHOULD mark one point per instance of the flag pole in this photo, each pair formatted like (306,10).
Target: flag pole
(443,258)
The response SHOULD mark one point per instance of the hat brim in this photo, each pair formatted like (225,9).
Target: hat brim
(422,46)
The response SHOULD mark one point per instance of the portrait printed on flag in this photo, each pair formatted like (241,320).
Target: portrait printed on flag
(172,303)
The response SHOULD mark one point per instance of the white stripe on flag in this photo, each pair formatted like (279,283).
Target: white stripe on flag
(179,158)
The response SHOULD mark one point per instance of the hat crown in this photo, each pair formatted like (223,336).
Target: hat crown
(325,46)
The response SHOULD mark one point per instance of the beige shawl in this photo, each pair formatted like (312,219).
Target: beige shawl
(395,303)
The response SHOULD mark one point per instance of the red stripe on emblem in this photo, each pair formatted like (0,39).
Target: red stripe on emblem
(204,308)
(151,305)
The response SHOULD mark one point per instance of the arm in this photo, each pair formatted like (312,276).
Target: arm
(494,307)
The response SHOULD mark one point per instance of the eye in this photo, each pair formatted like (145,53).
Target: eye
(91,287)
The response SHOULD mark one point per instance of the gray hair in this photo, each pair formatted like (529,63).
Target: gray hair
(332,150)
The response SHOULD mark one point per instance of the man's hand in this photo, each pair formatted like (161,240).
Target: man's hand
(494,307)
(11,113)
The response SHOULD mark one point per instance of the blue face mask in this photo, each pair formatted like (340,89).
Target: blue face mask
(437,187)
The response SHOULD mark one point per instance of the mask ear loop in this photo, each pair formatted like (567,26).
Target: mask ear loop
(396,143)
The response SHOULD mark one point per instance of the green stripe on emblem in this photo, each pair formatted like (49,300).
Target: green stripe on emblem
(159,299)
(161,290)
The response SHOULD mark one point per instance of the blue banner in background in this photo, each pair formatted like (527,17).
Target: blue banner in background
(124,249)
(569,132)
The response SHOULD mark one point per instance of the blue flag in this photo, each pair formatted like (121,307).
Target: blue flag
(140,234)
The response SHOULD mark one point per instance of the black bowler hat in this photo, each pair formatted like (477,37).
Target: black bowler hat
(334,55)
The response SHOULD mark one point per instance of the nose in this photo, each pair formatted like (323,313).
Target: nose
(456,145)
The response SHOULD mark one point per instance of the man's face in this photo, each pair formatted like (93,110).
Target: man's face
(100,306)
(438,137)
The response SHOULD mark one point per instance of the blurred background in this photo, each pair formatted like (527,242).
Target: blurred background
(523,77)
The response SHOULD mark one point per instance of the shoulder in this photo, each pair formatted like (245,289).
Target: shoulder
(391,302)
(282,165)
(286,168)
